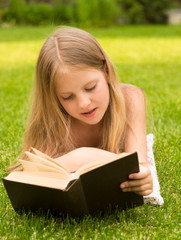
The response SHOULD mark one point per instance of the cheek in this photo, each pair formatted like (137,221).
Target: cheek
(103,95)
(68,106)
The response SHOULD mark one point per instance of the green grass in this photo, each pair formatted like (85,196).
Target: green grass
(147,56)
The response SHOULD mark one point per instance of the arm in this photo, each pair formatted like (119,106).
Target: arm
(73,160)
(135,140)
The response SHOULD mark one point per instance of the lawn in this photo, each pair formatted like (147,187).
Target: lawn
(147,56)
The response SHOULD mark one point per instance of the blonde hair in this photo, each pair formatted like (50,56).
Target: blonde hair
(49,125)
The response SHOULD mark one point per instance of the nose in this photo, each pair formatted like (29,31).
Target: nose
(83,101)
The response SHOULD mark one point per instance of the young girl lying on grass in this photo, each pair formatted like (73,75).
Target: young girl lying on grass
(80,110)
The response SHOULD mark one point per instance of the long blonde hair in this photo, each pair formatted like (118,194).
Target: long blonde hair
(49,124)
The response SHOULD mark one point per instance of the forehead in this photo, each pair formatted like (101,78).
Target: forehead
(73,78)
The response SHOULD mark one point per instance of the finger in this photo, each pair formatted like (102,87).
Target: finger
(135,183)
(139,175)
(138,188)
(145,193)
(144,173)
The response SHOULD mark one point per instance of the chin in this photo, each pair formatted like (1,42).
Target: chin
(92,121)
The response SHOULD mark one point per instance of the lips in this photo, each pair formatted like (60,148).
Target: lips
(90,113)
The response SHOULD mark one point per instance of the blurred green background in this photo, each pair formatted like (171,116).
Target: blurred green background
(85,13)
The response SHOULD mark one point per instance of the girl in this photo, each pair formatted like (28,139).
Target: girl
(80,110)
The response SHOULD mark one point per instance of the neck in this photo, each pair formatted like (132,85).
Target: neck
(86,135)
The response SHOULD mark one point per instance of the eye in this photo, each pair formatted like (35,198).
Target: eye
(90,89)
(67,98)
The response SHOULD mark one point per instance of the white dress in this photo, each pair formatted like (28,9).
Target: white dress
(154,197)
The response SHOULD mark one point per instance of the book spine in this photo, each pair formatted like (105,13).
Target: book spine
(76,202)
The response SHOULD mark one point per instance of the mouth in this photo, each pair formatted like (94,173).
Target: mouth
(90,113)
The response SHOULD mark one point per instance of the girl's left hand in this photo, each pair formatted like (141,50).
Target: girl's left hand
(140,183)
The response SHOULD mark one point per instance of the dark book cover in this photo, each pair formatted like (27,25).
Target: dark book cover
(92,191)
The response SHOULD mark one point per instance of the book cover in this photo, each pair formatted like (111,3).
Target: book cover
(92,191)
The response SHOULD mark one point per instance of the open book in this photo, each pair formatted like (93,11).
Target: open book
(45,184)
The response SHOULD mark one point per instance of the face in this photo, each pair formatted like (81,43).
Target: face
(84,94)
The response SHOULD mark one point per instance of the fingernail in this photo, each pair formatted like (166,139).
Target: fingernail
(123,185)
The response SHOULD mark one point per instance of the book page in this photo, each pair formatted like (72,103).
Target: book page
(44,156)
(92,165)
(38,167)
(40,154)
(46,179)
(47,162)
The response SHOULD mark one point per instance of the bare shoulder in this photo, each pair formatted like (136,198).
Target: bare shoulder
(134,96)
(131,90)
